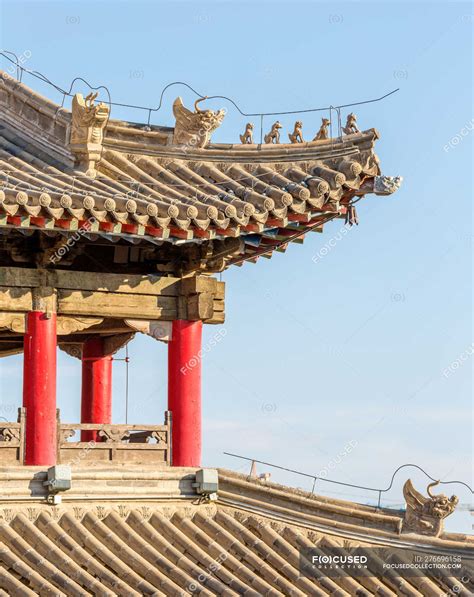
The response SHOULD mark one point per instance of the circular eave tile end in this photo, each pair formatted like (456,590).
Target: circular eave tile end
(323,187)
(21,198)
(304,194)
(212,212)
(45,200)
(131,206)
(65,201)
(249,209)
(269,204)
(191,212)
(151,210)
(173,211)
(109,204)
(88,202)
(230,211)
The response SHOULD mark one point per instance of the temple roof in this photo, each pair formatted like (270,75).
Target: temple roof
(135,532)
(64,171)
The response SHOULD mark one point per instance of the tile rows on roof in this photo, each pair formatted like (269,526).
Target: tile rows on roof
(168,550)
(145,184)
(139,194)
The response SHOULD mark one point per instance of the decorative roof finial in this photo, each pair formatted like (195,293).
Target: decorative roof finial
(195,128)
(297,135)
(386,185)
(322,134)
(425,515)
(351,125)
(247,137)
(274,135)
(87,130)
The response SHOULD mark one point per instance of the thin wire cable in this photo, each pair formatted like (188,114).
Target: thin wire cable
(20,69)
(45,79)
(127,362)
(351,484)
(16,63)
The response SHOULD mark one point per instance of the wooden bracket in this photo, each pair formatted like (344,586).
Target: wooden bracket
(201,293)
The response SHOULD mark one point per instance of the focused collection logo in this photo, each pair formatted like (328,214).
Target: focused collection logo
(375,562)
(339,561)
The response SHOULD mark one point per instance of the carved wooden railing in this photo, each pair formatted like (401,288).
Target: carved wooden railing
(139,444)
(12,440)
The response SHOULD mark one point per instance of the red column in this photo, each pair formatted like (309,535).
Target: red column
(39,388)
(184,392)
(96,399)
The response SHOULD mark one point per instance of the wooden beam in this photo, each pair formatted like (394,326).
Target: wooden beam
(113,295)
(67,279)
(116,305)
(129,284)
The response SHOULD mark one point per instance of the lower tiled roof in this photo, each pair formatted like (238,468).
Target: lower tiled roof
(163,540)
(176,550)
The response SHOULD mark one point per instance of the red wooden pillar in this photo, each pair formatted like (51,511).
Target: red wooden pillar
(184,392)
(39,388)
(96,398)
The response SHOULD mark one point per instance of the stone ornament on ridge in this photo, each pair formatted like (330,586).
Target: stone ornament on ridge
(425,515)
(274,135)
(297,135)
(351,125)
(88,119)
(322,134)
(386,185)
(87,130)
(247,137)
(195,128)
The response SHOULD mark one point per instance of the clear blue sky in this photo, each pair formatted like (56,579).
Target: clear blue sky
(354,347)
